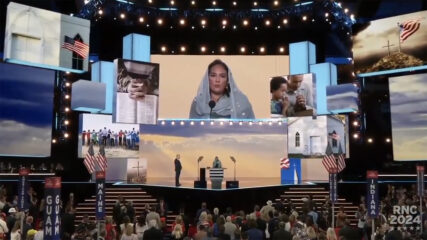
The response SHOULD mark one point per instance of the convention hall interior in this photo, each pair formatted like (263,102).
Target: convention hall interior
(213,119)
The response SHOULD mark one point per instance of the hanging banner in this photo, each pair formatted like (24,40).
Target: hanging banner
(100,195)
(52,194)
(372,193)
(23,201)
(333,185)
(420,181)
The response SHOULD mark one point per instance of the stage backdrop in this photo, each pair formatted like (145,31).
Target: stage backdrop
(256,148)
(408,107)
(26,106)
(181,76)
(391,43)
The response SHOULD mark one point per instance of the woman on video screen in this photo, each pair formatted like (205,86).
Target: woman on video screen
(219,97)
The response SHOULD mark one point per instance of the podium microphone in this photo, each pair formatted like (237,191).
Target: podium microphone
(212,104)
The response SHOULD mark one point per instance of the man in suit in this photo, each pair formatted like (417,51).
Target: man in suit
(153,233)
(178,168)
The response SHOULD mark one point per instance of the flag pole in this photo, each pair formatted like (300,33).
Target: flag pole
(398,35)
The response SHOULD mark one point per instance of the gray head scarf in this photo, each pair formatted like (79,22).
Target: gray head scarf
(236,105)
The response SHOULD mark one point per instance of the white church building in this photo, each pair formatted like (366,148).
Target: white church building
(308,137)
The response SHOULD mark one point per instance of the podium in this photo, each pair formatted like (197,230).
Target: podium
(216,175)
(201,183)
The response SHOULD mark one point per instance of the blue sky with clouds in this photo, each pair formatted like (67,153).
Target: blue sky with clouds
(26,108)
(408,105)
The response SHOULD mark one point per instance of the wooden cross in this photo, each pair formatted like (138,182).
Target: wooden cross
(388,46)
(138,167)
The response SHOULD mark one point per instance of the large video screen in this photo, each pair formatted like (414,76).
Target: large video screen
(391,43)
(118,140)
(26,110)
(256,147)
(408,107)
(237,87)
(310,137)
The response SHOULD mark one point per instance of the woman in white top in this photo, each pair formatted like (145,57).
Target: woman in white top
(128,234)
(15,234)
(140,227)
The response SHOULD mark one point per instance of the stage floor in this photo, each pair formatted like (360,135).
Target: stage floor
(189,182)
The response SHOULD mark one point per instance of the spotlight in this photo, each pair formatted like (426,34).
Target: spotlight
(346,10)
(352,16)
(66,135)
(256,28)
(214,3)
(276,3)
(122,15)
(203,22)
(202,123)
(304,18)
(234,27)
(163,49)
(224,22)
(260,123)
(212,123)
(67,84)
(67,96)
(66,109)
(280,123)
(182,22)
(191,123)
(355,123)
(387,140)
(267,22)
(67,72)
(182,123)
(183,49)
(281,49)
(242,49)
(270,123)
(193,2)
(163,122)
(245,22)
(326,14)
(240,123)
(255,4)
(203,49)
(221,123)
(234,3)
(172,123)
(160,21)
(231,123)
(172,2)
(141,19)
(66,122)
(53,140)
(285,21)
(250,123)
(150,1)
(355,136)
(370,140)
(222,49)
(262,49)
(100,12)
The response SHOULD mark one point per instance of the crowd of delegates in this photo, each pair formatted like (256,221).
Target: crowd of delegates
(127,139)
(278,221)
(41,168)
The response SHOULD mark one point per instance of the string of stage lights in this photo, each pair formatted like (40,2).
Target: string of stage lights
(219,14)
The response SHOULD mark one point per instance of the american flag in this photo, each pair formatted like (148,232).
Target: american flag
(341,162)
(89,161)
(408,28)
(284,163)
(335,136)
(82,49)
(101,160)
(329,162)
